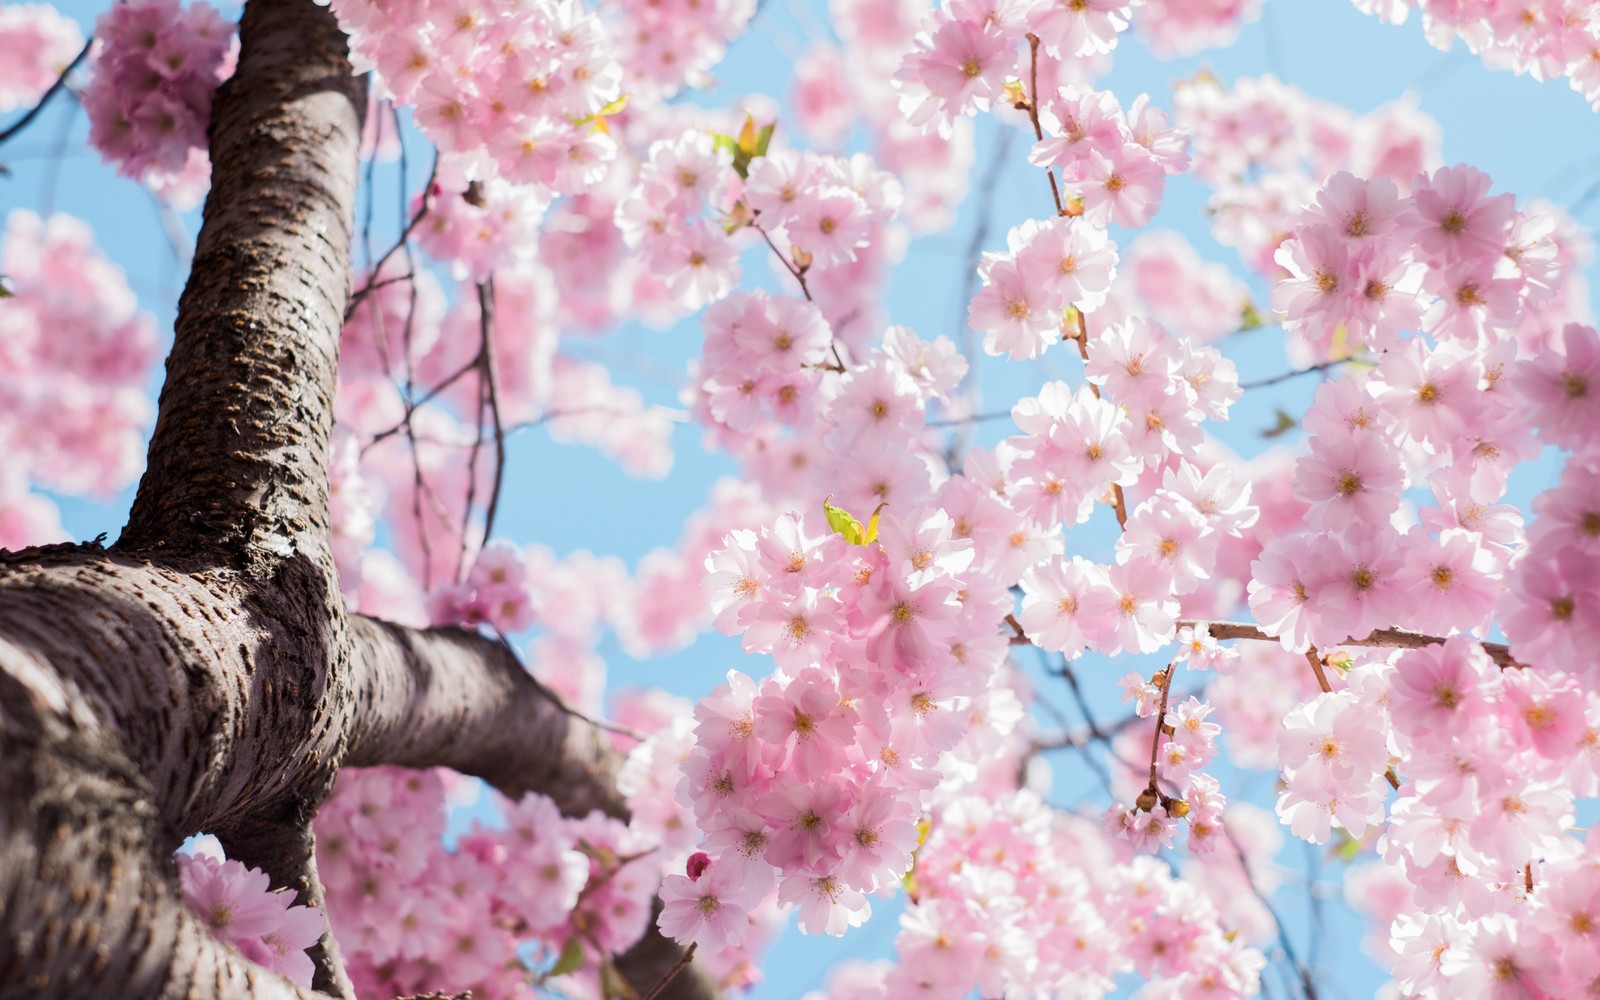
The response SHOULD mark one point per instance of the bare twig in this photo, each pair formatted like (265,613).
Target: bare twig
(672,973)
(972,393)
(44,99)
(1306,982)
(404,241)
(1316,668)
(976,418)
(486,309)
(1286,376)
(1033,114)
(1161,721)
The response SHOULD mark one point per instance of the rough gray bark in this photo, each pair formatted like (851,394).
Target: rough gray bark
(202,673)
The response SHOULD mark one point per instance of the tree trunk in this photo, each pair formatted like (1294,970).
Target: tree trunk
(202,674)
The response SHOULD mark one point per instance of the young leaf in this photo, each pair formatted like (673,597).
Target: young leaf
(1284,425)
(571,959)
(872,524)
(841,521)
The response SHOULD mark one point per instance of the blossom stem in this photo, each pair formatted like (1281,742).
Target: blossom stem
(799,275)
(1020,638)
(1119,503)
(1313,658)
(1161,720)
(1316,668)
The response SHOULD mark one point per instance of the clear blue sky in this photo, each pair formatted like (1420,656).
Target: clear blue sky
(1537,140)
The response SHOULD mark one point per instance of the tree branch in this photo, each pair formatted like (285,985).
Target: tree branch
(89,904)
(238,460)
(452,698)
(1396,638)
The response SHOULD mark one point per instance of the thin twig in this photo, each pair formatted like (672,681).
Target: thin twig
(1286,376)
(1306,982)
(976,418)
(972,394)
(1161,721)
(404,241)
(486,309)
(54,88)
(1316,668)
(1033,114)
(423,400)
(672,973)
(1119,502)
(798,273)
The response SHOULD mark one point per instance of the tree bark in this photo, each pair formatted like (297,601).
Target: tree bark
(202,674)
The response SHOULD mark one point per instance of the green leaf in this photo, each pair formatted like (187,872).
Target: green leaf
(1284,425)
(614,107)
(751,143)
(1249,317)
(1347,849)
(571,959)
(841,521)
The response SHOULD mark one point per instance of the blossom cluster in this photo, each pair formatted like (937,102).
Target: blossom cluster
(968,53)
(1456,415)
(1488,889)
(1183,27)
(888,658)
(238,906)
(75,354)
(666,46)
(834,88)
(1092,913)
(412,915)
(37,43)
(1264,146)
(1546,39)
(530,78)
(151,82)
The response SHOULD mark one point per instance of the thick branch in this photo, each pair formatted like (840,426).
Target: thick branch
(89,907)
(452,698)
(237,466)
(228,704)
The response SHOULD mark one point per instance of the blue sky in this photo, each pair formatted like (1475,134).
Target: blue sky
(1534,139)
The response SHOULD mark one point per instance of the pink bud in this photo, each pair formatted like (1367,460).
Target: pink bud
(699,861)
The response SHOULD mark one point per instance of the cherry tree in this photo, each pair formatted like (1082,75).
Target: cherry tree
(313,642)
